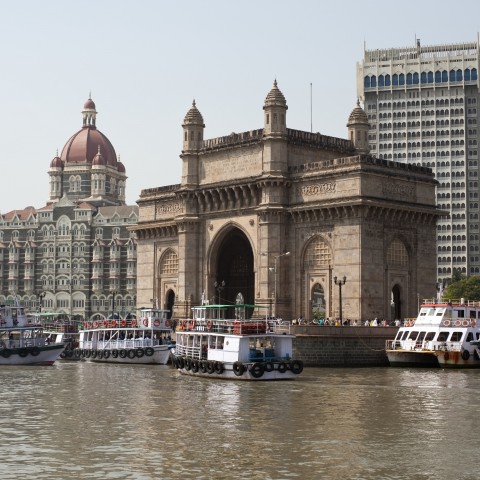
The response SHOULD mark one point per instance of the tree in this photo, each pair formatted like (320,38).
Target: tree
(467,288)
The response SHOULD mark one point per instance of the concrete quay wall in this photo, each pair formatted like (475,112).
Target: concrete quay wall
(319,346)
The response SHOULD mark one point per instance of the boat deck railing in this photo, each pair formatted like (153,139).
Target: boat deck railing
(22,343)
(235,327)
(124,344)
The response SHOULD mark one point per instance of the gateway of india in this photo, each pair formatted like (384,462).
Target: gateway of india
(303,223)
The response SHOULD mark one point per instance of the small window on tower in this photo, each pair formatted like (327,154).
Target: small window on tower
(268,118)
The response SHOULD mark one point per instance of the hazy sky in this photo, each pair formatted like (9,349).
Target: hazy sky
(146,60)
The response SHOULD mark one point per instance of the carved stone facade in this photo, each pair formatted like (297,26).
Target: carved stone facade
(272,216)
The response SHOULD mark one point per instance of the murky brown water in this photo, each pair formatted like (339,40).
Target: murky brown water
(92,421)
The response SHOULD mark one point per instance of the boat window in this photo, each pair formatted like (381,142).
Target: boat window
(473,314)
(456,336)
(460,313)
(469,337)
(405,334)
(399,335)
(442,336)
(429,336)
(421,336)
(413,335)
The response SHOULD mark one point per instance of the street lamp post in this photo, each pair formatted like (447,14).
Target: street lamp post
(113,305)
(275,273)
(340,283)
(219,288)
(41,296)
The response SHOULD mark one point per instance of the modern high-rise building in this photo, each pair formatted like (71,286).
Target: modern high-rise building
(422,104)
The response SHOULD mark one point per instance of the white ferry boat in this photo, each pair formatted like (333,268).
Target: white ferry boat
(443,335)
(22,342)
(146,340)
(60,330)
(233,342)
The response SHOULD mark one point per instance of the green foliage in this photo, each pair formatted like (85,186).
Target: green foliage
(467,288)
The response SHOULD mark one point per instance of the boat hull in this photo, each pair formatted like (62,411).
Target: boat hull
(235,371)
(156,355)
(404,358)
(46,355)
(448,359)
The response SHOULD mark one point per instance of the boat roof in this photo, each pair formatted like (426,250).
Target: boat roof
(231,305)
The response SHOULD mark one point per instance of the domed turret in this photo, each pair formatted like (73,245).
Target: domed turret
(98,160)
(358,129)
(193,128)
(275,112)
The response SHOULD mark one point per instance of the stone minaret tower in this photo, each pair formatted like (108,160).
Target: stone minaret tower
(193,128)
(358,129)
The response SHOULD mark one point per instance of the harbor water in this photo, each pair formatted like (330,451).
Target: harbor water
(78,420)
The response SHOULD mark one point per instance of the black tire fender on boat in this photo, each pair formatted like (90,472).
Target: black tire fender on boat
(238,369)
(106,354)
(115,353)
(282,367)
(88,353)
(100,354)
(269,366)
(149,351)
(23,352)
(131,354)
(465,355)
(210,367)
(94,354)
(122,353)
(219,367)
(195,366)
(188,364)
(180,363)
(203,366)
(5,353)
(35,351)
(257,370)
(296,367)
(77,353)
(139,352)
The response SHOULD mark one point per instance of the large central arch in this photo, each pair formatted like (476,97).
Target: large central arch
(232,267)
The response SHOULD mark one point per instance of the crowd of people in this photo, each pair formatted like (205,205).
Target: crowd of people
(348,322)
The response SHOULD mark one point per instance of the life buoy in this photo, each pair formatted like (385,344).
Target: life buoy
(95,324)
(219,367)
(458,323)
(446,323)
(296,367)
(238,369)
(149,351)
(131,354)
(282,367)
(134,323)
(209,324)
(123,323)
(105,324)
(191,324)
(257,370)
(465,355)
(156,322)
(145,322)
(113,323)
(465,323)
(168,323)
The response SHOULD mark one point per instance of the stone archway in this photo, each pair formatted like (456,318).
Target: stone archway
(396,303)
(318,302)
(170,302)
(233,271)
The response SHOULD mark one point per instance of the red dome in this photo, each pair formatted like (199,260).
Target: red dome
(84,145)
(56,163)
(89,105)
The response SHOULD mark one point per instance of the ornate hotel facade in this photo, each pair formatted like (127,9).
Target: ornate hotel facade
(281,217)
(75,255)
(423,107)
